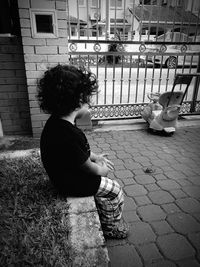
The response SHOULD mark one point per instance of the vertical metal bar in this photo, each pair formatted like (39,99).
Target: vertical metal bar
(153,73)
(141,23)
(132,21)
(124,20)
(188,32)
(145,78)
(97,19)
(69,26)
(196,29)
(158,19)
(107,35)
(113,89)
(115,23)
(129,79)
(150,17)
(87,11)
(78,24)
(183,67)
(172,35)
(97,74)
(105,82)
(137,80)
(121,80)
(160,78)
(182,13)
(87,8)
(167,79)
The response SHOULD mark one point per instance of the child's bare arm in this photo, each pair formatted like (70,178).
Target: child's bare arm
(94,168)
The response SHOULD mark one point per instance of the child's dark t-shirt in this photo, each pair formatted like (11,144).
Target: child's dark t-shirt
(64,148)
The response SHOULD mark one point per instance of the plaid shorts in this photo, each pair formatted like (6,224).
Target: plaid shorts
(109,201)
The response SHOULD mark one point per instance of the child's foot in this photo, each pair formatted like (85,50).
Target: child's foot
(120,231)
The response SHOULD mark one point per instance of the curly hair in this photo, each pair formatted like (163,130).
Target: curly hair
(64,88)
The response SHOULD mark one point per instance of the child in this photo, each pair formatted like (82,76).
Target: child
(64,92)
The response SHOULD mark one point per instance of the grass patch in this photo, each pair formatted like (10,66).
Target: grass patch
(33,223)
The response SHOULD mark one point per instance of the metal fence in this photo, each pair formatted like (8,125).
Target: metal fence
(135,47)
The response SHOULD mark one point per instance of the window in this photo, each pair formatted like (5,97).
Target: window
(95,3)
(9,18)
(73,31)
(43,23)
(118,4)
(81,3)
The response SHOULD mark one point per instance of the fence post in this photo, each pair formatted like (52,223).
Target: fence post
(196,89)
(1,128)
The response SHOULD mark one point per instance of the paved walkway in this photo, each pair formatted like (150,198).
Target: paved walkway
(160,177)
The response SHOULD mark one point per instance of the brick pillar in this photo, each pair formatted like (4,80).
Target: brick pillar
(41,53)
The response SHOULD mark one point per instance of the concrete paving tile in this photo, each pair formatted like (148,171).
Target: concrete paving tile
(130,216)
(160,177)
(168,184)
(134,167)
(144,179)
(160,197)
(140,159)
(175,247)
(171,208)
(161,227)
(189,205)
(194,179)
(145,163)
(149,253)
(111,156)
(119,168)
(178,193)
(141,233)
(176,175)
(135,190)
(129,204)
(183,223)
(129,181)
(151,213)
(129,161)
(195,240)
(159,162)
(184,182)
(123,174)
(123,155)
(188,263)
(167,168)
(117,162)
(142,200)
(124,256)
(193,191)
(162,263)
(152,187)
(196,216)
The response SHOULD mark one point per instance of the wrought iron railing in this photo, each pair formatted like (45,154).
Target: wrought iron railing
(137,66)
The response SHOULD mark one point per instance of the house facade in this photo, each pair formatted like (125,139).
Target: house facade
(37,35)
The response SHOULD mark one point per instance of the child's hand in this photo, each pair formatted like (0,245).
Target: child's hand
(101,159)
(104,168)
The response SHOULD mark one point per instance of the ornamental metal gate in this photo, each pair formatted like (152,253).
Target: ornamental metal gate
(135,47)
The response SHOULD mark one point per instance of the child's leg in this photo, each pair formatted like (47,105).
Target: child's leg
(110,201)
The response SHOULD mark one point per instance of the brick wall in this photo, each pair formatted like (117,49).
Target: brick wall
(41,53)
(14,106)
